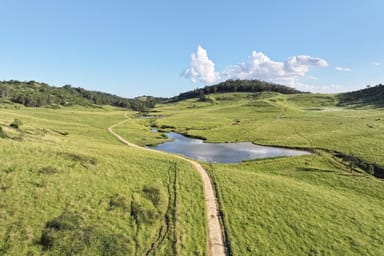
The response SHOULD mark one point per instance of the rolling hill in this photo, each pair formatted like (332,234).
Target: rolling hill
(68,187)
(251,86)
(35,94)
(371,96)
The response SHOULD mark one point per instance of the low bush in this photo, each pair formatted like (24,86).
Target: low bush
(66,235)
(2,133)
(118,201)
(149,205)
(156,194)
(16,124)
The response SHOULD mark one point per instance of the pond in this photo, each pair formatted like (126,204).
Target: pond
(222,152)
(149,116)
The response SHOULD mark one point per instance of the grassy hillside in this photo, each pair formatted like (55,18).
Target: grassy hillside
(368,97)
(235,86)
(297,120)
(68,187)
(300,206)
(308,205)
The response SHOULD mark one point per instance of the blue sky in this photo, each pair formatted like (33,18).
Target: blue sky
(133,48)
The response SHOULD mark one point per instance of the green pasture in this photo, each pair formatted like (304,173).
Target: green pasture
(302,120)
(68,187)
(304,205)
(308,205)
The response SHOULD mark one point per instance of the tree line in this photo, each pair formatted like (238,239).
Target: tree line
(236,86)
(35,94)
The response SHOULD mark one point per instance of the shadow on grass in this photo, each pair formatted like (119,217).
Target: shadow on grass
(311,169)
(67,234)
(354,175)
(86,161)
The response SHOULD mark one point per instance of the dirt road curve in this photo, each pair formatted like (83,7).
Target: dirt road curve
(215,230)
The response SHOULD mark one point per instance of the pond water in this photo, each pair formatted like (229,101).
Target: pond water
(149,116)
(222,152)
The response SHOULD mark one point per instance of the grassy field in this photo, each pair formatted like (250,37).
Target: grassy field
(300,206)
(303,120)
(308,205)
(68,187)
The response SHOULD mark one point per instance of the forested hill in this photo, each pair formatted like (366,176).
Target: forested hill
(35,94)
(236,86)
(370,96)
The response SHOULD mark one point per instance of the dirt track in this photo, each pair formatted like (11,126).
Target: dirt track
(215,230)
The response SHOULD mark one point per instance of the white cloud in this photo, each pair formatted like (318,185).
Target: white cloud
(377,64)
(201,68)
(343,69)
(323,88)
(257,66)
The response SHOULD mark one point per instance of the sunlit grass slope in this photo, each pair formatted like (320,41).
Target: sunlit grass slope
(308,205)
(300,206)
(303,120)
(68,187)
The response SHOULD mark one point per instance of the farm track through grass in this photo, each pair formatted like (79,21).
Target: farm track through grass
(217,245)
(308,205)
(59,191)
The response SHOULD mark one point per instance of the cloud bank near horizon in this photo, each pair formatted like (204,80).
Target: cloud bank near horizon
(257,66)
(343,69)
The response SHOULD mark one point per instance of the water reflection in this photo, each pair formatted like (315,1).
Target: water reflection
(222,152)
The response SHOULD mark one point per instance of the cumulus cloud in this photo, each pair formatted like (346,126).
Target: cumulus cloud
(257,66)
(260,66)
(201,68)
(343,69)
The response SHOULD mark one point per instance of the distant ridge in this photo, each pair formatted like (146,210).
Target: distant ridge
(370,96)
(236,86)
(35,94)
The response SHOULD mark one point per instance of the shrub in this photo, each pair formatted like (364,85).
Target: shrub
(16,124)
(371,169)
(118,201)
(156,194)
(164,126)
(66,221)
(56,227)
(143,211)
(65,235)
(2,133)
